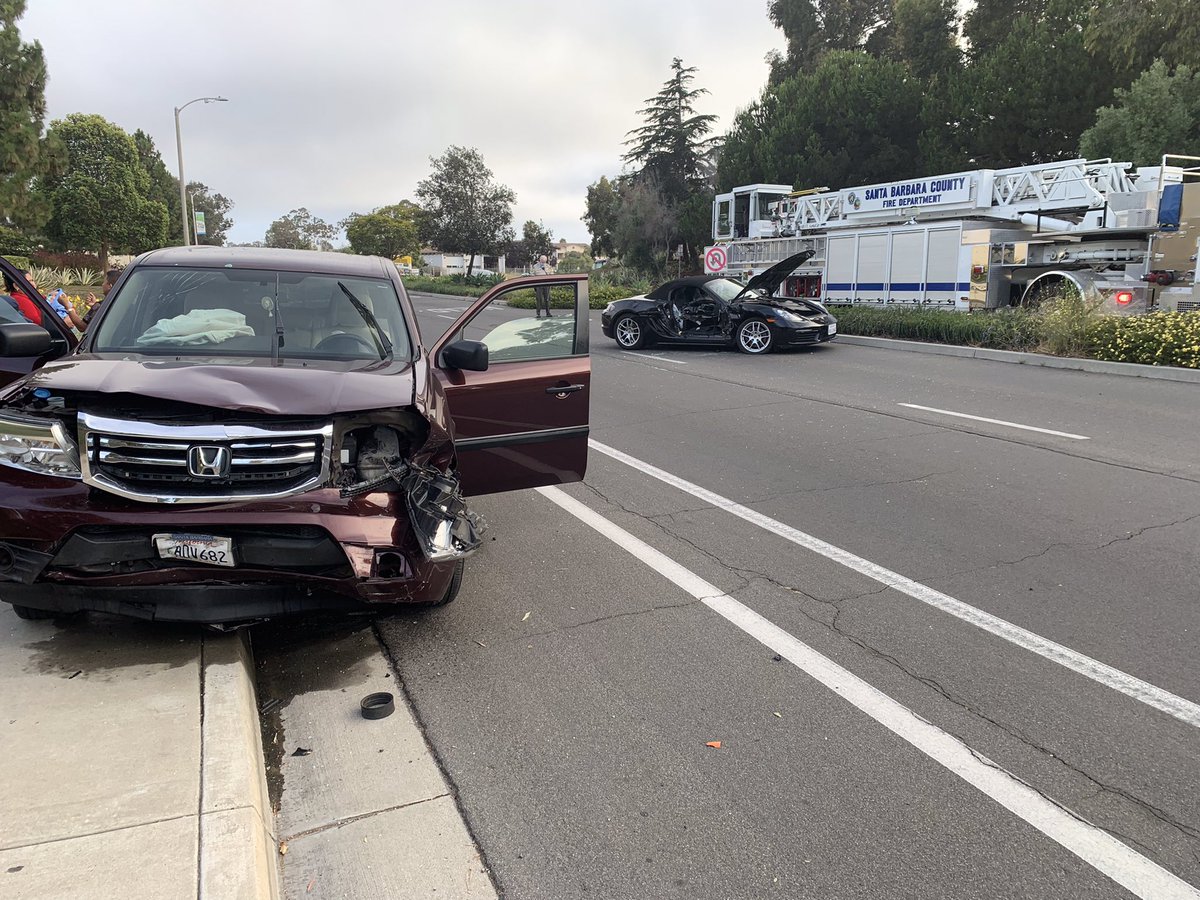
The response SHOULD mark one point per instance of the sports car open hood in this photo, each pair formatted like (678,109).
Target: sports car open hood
(769,281)
(311,388)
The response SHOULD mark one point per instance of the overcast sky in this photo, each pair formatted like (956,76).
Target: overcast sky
(338,107)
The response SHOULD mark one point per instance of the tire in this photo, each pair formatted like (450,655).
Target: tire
(754,336)
(452,589)
(629,333)
(28,612)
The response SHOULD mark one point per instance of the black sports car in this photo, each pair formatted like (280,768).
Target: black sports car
(713,309)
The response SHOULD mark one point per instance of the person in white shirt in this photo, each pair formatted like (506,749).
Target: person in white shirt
(542,267)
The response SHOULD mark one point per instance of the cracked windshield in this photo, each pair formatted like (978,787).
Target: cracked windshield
(676,451)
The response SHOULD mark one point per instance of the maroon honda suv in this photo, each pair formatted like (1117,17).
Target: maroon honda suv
(244,433)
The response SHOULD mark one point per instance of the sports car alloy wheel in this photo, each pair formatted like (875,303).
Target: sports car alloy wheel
(754,336)
(629,333)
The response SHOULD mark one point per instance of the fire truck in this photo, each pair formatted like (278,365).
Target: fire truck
(1124,237)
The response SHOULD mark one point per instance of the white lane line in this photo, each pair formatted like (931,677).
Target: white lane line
(946,412)
(678,362)
(1184,710)
(440,316)
(1128,868)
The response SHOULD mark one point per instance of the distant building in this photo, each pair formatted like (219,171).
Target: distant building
(438,263)
(563,247)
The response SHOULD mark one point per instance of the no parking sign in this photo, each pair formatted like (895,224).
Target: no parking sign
(715,260)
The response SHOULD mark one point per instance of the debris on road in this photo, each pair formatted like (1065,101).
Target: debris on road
(716,745)
(525,618)
(301,751)
(377,706)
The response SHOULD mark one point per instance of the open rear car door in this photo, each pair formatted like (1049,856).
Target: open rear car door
(517,386)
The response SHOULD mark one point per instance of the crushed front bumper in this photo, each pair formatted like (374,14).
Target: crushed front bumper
(66,547)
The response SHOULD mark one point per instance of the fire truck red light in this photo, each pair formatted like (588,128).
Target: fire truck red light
(1124,297)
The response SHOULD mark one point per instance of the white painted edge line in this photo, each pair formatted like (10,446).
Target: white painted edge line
(1128,868)
(1182,709)
(678,362)
(946,412)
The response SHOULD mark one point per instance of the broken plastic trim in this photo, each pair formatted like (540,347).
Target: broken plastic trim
(21,564)
(445,528)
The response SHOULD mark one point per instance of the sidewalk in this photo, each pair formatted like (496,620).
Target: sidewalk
(131,763)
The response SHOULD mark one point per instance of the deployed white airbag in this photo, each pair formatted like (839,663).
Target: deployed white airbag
(200,326)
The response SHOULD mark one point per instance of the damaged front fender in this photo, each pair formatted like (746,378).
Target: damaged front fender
(444,527)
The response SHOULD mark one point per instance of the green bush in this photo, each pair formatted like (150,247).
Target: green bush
(1065,317)
(443,286)
(1001,330)
(1155,339)
(560,298)
(20,262)
(14,244)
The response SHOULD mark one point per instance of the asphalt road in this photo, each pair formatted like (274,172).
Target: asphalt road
(943,657)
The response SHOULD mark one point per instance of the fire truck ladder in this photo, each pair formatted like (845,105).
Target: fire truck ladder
(999,193)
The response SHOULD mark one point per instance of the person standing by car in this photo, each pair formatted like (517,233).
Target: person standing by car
(542,267)
(110,278)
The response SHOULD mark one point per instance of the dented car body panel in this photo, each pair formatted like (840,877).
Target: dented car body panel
(314,456)
(251,385)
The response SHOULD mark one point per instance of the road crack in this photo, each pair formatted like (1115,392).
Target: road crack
(748,576)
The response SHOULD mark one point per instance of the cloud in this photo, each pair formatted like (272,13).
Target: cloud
(338,109)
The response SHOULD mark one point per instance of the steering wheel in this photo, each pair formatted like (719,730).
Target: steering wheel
(346,342)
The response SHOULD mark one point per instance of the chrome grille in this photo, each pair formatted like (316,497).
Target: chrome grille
(159,463)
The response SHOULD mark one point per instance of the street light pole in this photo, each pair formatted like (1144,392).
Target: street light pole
(183,206)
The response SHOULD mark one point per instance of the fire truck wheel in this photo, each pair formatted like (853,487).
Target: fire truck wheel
(754,336)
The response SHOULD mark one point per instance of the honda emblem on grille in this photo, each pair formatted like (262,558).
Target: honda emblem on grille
(208,462)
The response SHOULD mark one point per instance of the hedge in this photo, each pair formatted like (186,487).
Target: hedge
(599,296)
(1157,339)
(1002,330)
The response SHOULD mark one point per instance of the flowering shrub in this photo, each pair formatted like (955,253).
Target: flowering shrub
(1156,339)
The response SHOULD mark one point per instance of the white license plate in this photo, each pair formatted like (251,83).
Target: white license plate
(196,548)
(832,328)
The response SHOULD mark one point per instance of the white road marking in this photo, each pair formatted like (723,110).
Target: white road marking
(1128,868)
(452,318)
(678,362)
(1184,710)
(946,412)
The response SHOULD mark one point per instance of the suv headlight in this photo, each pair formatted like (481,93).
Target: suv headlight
(38,446)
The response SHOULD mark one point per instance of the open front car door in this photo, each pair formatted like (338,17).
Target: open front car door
(517,384)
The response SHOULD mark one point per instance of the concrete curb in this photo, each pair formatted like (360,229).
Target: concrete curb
(237,826)
(1102,367)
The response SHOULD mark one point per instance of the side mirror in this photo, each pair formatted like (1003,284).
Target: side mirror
(19,339)
(470,355)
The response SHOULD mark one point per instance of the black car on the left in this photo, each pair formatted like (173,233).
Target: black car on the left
(716,310)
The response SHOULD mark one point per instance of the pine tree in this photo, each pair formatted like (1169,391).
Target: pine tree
(25,154)
(672,149)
